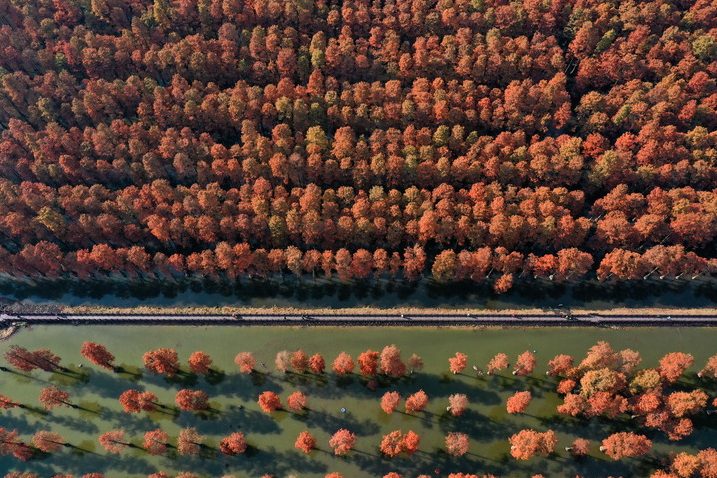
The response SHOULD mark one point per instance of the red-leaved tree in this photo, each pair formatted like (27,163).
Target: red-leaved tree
(343,364)
(528,443)
(391,363)
(390,401)
(162,361)
(458,363)
(189,441)
(134,401)
(623,444)
(114,441)
(269,401)
(342,441)
(305,442)
(200,362)
(155,442)
(525,364)
(457,444)
(233,444)
(317,364)
(191,400)
(51,397)
(296,401)
(245,361)
(519,402)
(458,404)
(48,441)
(416,402)
(98,355)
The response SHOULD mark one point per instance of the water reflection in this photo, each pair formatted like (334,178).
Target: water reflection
(331,292)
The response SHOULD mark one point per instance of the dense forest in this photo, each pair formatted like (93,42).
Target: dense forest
(481,140)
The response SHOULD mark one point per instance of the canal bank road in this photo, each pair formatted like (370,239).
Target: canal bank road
(552,318)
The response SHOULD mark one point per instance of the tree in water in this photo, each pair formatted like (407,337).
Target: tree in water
(233,444)
(114,441)
(155,442)
(457,444)
(134,401)
(245,361)
(200,363)
(343,364)
(458,363)
(623,444)
(296,401)
(269,401)
(519,402)
(528,443)
(525,364)
(51,397)
(416,402)
(342,441)
(390,401)
(497,363)
(305,442)
(48,441)
(192,400)
(458,404)
(98,355)
(391,363)
(162,361)
(189,442)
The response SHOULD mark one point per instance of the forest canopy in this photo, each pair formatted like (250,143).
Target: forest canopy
(481,140)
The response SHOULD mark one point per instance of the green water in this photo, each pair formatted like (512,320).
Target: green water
(272,436)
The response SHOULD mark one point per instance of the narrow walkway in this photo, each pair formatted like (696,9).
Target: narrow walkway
(546,319)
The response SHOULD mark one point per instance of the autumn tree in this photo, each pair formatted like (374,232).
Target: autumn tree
(458,403)
(300,361)
(48,441)
(189,441)
(200,362)
(416,402)
(519,402)
(623,444)
(458,363)
(457,444)
(497,363)
(98,355)
(415,362)
(269,401)
(343,364)
(114,441)
(368,363)
(134,401)
(560,365)
(710,368)
(525,364)
(296,401)
(283,361)
(411,440)
(162,361)
(392,444)
(390,401)
(51,397)
(673,365)
(192,400)
(245,361)
(155,441)
(305,442)
(528,443)
(342,441)
(391,363)
(233,444)
(317,364)
(579,447)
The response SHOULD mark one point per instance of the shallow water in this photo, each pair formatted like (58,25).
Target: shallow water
(272,436)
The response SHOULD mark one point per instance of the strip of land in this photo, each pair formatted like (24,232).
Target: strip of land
(558,317)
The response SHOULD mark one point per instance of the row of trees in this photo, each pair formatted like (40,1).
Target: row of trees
(495,266)
(390,363)
(524,444)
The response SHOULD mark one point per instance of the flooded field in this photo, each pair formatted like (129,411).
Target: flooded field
(271,436)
